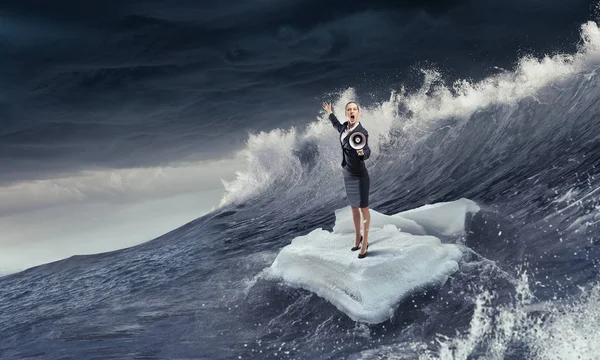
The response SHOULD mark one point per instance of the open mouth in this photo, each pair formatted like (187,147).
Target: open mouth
(352,117)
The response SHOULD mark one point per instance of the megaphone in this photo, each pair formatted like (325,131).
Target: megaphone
(358,140)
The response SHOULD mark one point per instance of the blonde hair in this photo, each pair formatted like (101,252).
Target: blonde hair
(351,102)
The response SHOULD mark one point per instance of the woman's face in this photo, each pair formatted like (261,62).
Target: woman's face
(352,113)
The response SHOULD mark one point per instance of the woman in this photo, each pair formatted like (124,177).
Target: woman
(356,176)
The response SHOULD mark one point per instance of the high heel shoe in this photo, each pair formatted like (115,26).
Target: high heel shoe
(357,247)
(361,256)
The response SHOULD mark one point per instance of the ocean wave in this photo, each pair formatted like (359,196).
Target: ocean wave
(401,125)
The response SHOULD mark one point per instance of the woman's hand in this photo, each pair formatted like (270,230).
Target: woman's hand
(360,152)
(327,107)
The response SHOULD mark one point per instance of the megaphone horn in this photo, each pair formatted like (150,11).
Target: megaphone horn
(358,140)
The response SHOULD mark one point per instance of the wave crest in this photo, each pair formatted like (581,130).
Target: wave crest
(275,159)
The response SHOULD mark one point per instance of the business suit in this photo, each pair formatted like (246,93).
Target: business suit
(356,176)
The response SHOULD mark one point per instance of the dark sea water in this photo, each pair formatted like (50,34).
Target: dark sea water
(523,143)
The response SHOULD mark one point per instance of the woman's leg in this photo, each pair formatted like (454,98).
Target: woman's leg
(356,219)
(364,186)
(366,215)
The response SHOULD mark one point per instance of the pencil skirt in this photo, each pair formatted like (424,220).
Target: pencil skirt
(357,188)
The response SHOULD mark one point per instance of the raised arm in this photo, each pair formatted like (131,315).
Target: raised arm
(334,121)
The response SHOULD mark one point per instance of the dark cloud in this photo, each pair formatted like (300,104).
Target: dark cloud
(145,82)
(261,14)
(64,11)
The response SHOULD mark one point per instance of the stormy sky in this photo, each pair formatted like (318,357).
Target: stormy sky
(116,84)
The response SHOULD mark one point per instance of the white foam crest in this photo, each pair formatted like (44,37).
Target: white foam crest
(270,158)
(436,101)
(270,155)
(573,333)
(564,332)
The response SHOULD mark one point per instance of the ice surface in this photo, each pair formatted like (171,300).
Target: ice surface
(442,218)
(403,258)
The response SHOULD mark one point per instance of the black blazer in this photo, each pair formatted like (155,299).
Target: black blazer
(351,161)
